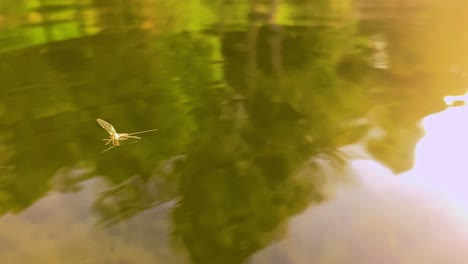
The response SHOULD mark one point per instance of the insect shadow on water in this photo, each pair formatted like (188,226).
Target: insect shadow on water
(114,137)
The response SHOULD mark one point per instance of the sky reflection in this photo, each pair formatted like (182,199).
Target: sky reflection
(442,154)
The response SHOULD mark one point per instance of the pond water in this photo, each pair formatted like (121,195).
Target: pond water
(288,131)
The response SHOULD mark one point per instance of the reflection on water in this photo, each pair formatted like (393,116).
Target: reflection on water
(417,217)
(441,154)
(259,108)
(60,229)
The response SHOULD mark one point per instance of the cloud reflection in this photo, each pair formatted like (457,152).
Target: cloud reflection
(442,154)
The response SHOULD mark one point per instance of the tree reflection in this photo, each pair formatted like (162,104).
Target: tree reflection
(242,114)
(236,195)
(241,178)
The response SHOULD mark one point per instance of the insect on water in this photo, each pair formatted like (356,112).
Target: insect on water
(115,137)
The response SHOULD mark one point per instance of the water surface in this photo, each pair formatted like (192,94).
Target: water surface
(288,131)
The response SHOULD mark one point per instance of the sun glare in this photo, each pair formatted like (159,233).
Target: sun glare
(441,157)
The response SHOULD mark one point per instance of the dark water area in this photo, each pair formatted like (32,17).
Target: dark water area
(288,131)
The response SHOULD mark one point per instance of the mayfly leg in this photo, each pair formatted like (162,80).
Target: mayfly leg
(129,136)
(140,132)
(111,147)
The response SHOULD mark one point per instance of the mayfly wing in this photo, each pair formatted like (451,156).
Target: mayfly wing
(108,127)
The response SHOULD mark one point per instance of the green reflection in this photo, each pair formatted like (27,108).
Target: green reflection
(243,108)
(240,181)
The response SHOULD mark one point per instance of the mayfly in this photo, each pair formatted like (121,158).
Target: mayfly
(115,137)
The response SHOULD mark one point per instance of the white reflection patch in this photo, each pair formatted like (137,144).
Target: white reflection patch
(442,154)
